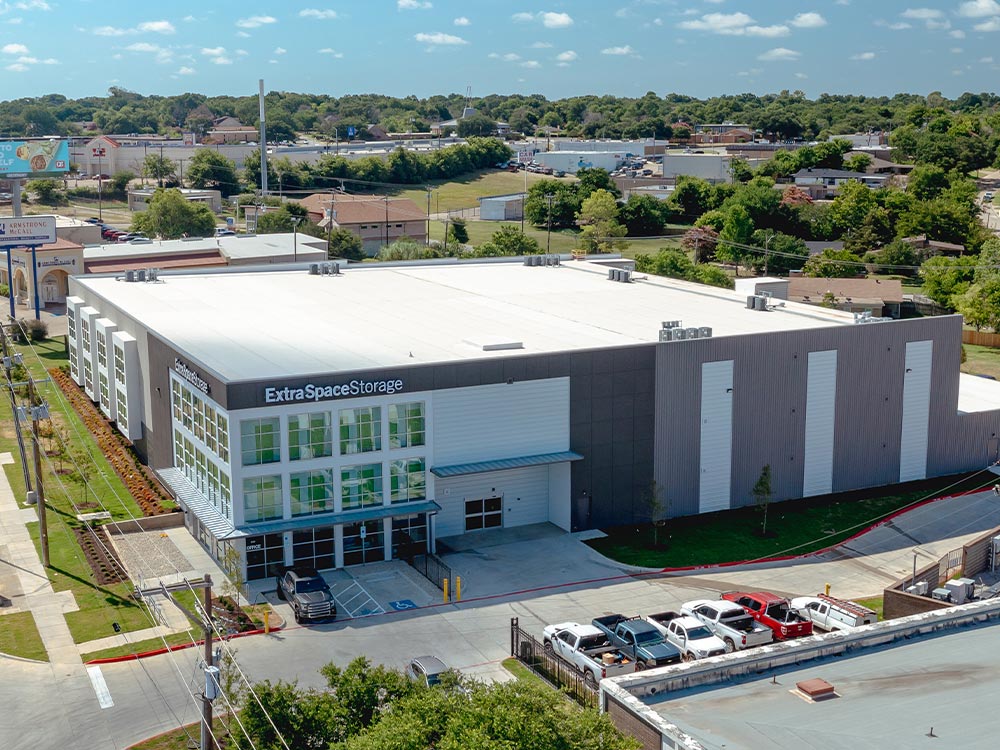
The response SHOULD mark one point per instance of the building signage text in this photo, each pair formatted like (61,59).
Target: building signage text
(32,230)
(313,392)
(191,376)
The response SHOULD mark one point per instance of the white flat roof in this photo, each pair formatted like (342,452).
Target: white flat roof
(241,246)
(267,324)
(976,393)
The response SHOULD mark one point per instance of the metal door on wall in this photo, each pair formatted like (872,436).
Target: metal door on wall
(484,513)
(364,542)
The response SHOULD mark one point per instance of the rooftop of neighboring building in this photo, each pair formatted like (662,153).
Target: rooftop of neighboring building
(235,247)
(813,290)
(264,324)
(363,209)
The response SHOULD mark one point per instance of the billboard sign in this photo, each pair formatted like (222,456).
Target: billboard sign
(33,159)
(27,230)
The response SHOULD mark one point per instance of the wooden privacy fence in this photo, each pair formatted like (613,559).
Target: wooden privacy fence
(981,338)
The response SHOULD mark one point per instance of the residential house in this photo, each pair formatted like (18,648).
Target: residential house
(882,297)
(230,130)
(933,247)
(446,127)
(377,220)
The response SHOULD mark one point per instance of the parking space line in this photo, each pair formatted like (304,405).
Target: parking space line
(100,686)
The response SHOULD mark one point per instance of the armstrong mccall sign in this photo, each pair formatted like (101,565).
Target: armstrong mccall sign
(313,392)
(28,230)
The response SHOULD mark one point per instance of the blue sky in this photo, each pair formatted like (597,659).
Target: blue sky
(557,48)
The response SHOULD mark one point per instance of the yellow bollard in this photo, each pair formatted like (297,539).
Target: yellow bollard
(445,590)
(267,622)
(828,589)
(458,588)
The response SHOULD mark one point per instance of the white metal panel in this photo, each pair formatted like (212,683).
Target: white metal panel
(560,513)
(716,436)
(916,411)
(488,422)
(821,402)
(525,494)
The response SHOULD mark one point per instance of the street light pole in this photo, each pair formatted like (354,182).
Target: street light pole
(159,171)
(295,238)
(100,173)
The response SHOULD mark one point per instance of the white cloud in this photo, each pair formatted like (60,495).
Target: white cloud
(438,37)
(808,21)
(531,64)
(157,27)
(242,52)
(143,47)
(35,61)
(322,15)
(413,5)
(567,56)
(221,60)
(863,56)
(979,8)
(626,50)
(956,50)
(110,31)
(186,71)
(719,23)
(14,49)
(332,52)
(801,75)
(242,35)
(462,21)
(17,67)
(767,31)
(900,26)
(922,14)
(956,34)
(254,22)
(280,50)
(992,25)
(213,51)
(779,54)
(189,19)
(541,45)
(32,5)
(548,19)
(986,60)
(511,57)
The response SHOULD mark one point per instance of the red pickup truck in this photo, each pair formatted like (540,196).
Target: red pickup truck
(774,611)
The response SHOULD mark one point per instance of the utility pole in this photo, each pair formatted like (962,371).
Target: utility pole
(205,623)
(37,412)
(10,359)
(159,171)
(767,241)
(427,238)
(295,238)
(387,220)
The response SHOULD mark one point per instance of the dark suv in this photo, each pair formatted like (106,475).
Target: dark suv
(308,594)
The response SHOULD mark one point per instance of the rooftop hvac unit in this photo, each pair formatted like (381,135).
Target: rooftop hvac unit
(130,276)
(140,274)
(962,590)
(942,595)
(626,277)
(705,332)
(314,269)
(692,333)
(556,260)
(336,269)
(919,588)
(751,302)
(154,274)
(325,269)
(612,274)
(680,334)
(760,303)
(667,334)
(527,260)
(536,260)
(671,324)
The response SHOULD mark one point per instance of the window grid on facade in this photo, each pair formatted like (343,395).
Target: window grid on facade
(361,486)
(119,364)
(88,374)
(406,425)
(102,351)
(102,380)
(196,414)
(260,440)
(121,408)
(85,335)
(309,436)
(262,498)
(361,430)
(312,492)
(407,480)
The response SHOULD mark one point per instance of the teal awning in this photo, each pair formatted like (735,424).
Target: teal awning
(503,464)
(332,519)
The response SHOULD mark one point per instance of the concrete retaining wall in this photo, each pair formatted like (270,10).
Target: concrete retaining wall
(147,523)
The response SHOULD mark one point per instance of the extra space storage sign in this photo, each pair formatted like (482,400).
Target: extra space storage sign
(27,230)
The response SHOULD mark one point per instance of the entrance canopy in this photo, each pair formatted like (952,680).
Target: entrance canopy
(501,464)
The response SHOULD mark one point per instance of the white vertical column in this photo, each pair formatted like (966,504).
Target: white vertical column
(716,454)
(916,411)
(821,401)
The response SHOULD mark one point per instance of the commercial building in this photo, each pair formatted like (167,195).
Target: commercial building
(138,199)
(376,220)
(340,418)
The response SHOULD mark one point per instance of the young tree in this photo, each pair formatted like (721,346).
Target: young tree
(210,169)
(737,228)
(658,506)
(762,495)
(644,215)
(345,244)
(158,168)
(507,240)
(47,191)
(119,183)
(458,232)
(701,241)
(599,218)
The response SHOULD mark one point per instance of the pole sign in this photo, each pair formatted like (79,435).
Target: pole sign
(525,157)
(27,230)
(26,159)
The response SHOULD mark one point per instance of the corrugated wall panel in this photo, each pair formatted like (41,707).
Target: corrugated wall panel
(525,495)
(501,421)
(821,399)
(716,442)
(916,411)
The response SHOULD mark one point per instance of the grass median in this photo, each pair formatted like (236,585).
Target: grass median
(19,637)
(795,527)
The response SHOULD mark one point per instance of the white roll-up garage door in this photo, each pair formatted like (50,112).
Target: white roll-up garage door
(916,411)
(716,456)
(821,401)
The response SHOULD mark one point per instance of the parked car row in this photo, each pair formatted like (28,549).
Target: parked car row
(613,645)
(111,234)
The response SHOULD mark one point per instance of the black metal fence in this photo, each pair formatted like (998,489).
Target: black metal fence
(434,570)
(529,651)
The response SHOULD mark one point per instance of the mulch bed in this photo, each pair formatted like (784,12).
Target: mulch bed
(101,555)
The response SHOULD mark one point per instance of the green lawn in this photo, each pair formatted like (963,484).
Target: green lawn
(874,603)
(100,606)
(19,637)
(981,360)
(462,192)
(794,527)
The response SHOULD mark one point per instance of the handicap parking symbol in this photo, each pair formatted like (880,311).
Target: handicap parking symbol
(403,604)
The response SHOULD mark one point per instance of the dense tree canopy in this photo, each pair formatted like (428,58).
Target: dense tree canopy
(169,216)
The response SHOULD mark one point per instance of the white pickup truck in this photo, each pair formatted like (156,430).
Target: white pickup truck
(689,634)
(728,620)
(588,649)
(829,613)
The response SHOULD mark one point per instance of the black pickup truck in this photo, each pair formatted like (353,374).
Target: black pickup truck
(308,593)
(639,639)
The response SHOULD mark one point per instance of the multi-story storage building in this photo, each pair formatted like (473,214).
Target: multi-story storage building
(342,419)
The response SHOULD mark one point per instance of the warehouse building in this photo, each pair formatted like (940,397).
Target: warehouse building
(342,418)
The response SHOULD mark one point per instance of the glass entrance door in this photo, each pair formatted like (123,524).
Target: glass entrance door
(486,513)
(364,542)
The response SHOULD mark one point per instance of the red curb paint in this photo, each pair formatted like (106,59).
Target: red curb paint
(179,647)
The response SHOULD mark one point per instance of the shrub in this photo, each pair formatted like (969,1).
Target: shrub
(37,330)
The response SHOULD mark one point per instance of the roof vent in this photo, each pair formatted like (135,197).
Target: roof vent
(620,275)
(815,689)
(314,269)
